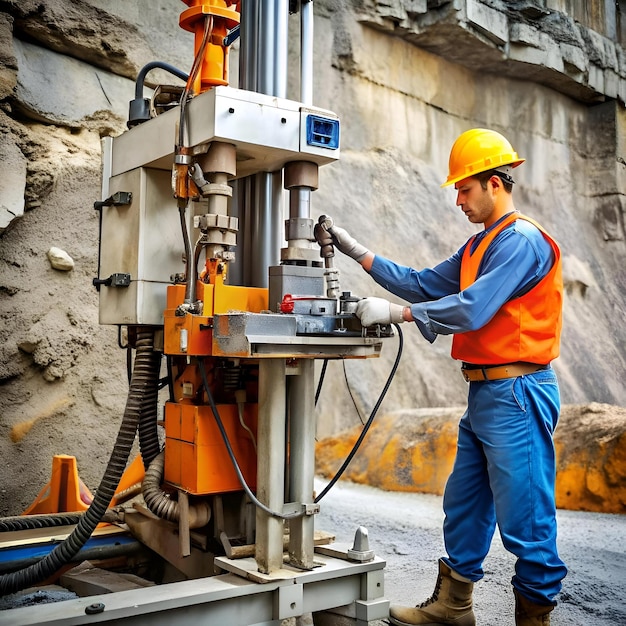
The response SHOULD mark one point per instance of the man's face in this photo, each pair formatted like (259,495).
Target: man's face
(477,203)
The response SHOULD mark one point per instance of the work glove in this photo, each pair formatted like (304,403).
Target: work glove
(346,243)
(378,311)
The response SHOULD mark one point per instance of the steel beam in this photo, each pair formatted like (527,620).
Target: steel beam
(225,599)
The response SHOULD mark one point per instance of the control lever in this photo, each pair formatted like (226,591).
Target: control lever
(327,252)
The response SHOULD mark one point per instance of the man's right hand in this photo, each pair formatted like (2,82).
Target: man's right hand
(346,243)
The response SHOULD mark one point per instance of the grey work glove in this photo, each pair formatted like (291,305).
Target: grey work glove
(347,244)
(379,311)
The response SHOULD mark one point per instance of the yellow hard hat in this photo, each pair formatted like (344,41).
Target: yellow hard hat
(479,150)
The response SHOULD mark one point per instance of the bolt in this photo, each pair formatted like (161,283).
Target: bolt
(93,609)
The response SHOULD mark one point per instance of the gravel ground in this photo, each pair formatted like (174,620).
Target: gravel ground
(405,530)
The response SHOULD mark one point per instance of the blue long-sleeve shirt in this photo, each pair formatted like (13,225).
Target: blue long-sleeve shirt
(515,261)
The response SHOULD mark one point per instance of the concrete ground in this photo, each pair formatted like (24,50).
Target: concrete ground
(405,530)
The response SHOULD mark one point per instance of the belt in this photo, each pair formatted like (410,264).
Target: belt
(498,372)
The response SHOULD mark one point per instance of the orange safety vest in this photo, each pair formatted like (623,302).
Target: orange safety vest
(527,328)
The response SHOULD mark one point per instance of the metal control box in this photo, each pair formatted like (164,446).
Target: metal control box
(266,131)
(144,241)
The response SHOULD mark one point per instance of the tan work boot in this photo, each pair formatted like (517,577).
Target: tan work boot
(451,603)
(528,613)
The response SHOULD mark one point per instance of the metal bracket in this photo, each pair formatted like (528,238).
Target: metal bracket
(114,280)
(290,508)
(119,198)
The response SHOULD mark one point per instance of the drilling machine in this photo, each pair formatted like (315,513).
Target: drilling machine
(190,265)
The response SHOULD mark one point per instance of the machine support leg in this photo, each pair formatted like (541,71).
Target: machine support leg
(302,461)
(271,464)
(184,538)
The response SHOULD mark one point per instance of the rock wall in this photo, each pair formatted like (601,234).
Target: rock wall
(414,450)
(406,77)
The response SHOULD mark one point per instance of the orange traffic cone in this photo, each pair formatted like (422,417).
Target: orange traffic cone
(65,492)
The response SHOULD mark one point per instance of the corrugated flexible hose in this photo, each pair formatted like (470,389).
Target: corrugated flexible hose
(148,434)
(162,505)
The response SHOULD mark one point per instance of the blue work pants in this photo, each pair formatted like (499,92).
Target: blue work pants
(504,473)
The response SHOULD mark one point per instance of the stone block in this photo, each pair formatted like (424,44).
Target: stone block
(554,58)
(601,50)
(12,181)
(596,78)
(492,23)
(58,89)
(525,34)
(611,83)
(575,60)
(401,9)
(526,54)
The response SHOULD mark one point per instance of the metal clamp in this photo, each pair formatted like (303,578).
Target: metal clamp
(114,280)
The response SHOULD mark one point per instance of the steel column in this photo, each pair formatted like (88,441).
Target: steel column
(306,52)
(302,461)
(263,68)
(271,463)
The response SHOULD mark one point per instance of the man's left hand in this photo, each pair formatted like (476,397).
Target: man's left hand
(379,311)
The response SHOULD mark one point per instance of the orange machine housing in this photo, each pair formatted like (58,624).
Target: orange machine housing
(214,64)
(196,459)
(218,299)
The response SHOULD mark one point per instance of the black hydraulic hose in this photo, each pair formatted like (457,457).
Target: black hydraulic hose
(231,454)
(190,286)
(30,522)
(148,432)
(129,363)
(139,108)
(321,380)
(63,553)
(232,36)
(143,72)
(354,404)
(369,422)
(197,251)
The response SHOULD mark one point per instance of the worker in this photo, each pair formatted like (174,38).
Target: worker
(500,296)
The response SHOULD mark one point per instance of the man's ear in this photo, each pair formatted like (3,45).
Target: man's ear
(496,183)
